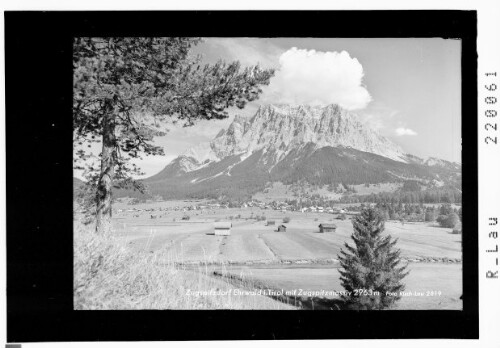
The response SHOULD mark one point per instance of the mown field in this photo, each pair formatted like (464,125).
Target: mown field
(256,251)
(428,285)
(252,240)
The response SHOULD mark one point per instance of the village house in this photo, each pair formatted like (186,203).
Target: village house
(270,223)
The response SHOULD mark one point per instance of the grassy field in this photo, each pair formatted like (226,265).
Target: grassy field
(143,251)
(428,286)
(108,275)
(252,240)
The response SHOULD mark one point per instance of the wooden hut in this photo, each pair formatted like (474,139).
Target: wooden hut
(222,228)
(270,223)
(281,228)
(327,228)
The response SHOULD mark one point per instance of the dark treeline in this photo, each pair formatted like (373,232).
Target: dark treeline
(433,195)
(330,165)
(445,215)
(241,192)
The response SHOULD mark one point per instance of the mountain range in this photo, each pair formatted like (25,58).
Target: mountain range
(320,145)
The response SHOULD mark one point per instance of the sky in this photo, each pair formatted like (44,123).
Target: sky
(408,89)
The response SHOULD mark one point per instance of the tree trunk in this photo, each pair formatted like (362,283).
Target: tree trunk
(105,184)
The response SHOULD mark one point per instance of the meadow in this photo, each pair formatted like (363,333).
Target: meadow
(252,241)
(110,276)
(256,256)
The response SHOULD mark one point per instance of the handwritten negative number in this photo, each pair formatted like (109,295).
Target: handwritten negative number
(494,140)
(490,100)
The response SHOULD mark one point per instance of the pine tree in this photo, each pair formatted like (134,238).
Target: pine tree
(452,220)
(126,89)
(430,215)
(371,265)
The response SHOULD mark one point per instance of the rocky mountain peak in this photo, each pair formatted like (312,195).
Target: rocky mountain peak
(292,144)
(282,128)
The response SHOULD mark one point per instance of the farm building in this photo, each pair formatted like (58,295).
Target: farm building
(222,228)
(281,228)
(327,228)
(269,222)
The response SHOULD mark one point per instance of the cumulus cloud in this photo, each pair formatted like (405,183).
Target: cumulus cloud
(405,131)
(314,77)
(380,117)
(151,165)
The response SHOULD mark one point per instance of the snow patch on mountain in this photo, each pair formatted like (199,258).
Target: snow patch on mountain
(437,162)
(283,128)
(201,153)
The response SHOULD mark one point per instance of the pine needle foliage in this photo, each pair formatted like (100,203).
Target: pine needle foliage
(371,270)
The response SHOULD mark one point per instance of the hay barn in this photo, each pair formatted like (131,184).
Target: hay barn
(222,228)
(281,228)
(327,228)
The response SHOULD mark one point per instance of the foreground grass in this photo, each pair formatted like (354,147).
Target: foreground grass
(108,275)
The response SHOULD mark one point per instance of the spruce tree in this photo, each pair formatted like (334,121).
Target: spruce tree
(371,265)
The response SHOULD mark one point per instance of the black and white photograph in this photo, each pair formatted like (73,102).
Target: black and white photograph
(267,173)
(250,174)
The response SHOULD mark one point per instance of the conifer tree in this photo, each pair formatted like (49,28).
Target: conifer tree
(126,88)
(371,265)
